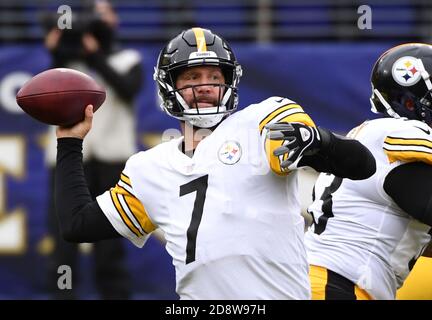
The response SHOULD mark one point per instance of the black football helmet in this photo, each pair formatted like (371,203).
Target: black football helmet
(195,47)
(401,85)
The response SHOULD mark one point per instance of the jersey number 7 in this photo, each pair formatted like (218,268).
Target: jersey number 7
(200,186)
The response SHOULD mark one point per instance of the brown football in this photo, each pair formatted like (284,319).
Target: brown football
(59,96)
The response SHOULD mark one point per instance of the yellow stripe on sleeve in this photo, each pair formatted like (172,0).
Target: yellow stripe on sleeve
(277,112)
(299,117)
(200,39)
(123,215)
(408,156)
(271,145)
(137,209)
(408,150)
(125,179)
(408,142)
(274,162)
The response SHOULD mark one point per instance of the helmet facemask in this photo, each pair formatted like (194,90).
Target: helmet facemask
(197,47)
(204,117)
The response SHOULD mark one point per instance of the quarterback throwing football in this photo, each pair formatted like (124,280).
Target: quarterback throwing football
(225,193)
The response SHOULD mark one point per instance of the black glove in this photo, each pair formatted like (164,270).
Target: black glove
(298,140)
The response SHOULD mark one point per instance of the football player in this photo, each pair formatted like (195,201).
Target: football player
(367,234)
(225,193)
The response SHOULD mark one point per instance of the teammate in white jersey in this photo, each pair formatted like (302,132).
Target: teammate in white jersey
(224,194)
(367,234)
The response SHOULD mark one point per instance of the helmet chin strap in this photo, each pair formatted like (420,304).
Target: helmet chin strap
(425,75)
(389,109)
(204,121)
(207,117)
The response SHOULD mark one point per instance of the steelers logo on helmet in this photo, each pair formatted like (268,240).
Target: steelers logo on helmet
(406,71)
(230,152)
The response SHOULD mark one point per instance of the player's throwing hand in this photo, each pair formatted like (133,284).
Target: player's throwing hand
(80,129)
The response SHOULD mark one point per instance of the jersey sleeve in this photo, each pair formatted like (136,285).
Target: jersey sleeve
(126,212)
(410,143)
(285,111)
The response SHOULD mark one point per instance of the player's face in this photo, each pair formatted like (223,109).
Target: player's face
(201,86)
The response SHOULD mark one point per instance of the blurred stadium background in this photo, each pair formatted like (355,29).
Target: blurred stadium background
(308,50)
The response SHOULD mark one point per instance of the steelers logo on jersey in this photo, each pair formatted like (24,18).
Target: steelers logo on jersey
(230,152)
(406,71)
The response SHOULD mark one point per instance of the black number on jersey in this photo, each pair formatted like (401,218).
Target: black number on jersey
(327,206)
(200,186)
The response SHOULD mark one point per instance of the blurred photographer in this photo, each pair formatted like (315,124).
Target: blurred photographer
(90,47)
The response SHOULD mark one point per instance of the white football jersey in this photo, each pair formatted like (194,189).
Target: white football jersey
(359,232)
(233,227)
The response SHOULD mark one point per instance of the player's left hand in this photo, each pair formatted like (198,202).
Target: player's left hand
(298,140)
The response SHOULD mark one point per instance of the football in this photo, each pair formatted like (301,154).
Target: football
(59,96)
